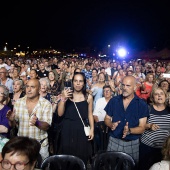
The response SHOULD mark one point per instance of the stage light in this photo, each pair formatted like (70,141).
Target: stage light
(122,52)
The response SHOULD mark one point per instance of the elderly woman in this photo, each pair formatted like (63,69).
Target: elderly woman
(4,109)
(157,130)
(18,87)
(20,153)
(45,85)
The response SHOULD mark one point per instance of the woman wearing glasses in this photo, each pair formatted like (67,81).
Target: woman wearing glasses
(157,130)
(20,153)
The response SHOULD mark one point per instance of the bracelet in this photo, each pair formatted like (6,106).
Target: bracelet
(37,123)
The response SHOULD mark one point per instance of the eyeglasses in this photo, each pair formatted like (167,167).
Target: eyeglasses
(106,91)
(18,165)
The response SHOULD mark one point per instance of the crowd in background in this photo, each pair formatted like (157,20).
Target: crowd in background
(103,82)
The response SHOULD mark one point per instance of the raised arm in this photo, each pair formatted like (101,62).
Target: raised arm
(61,105)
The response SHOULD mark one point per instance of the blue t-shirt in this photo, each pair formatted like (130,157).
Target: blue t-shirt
(136,110)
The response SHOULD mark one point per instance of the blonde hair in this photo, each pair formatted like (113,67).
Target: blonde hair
(166,149)
(153,92)
(147,77)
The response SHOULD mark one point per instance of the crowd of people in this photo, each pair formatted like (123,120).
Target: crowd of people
(52,100)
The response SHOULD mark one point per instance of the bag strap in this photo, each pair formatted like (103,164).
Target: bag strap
(79,114)
(41,141)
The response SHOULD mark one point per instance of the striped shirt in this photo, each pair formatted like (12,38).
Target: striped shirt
(43,111)
(156,138)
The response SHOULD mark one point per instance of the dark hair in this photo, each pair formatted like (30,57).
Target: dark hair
(84,79)
(159,85)
(101,73)
(76,70)
(95,70)
(24,146)
(53,73)
(59,61)
(35,71)
(88,64)
(18,68)
(101,68)
(106,86)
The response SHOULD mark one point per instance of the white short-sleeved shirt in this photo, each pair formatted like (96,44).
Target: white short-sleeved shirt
(99,109)
(108,71)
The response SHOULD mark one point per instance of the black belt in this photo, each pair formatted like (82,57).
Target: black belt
(125,140)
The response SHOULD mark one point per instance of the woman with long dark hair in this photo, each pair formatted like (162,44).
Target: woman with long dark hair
(73,138)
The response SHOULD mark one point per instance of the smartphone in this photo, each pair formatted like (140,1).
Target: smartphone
(166,75)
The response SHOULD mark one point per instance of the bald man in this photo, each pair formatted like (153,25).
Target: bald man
(33,114)
(126,115)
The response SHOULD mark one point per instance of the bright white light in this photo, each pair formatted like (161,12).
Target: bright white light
(122,52)
(5,48)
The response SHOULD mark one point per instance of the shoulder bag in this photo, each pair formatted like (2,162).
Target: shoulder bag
(86,128)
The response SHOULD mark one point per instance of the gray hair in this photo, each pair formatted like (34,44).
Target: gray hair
(6,91)
(46,80)
(20,81)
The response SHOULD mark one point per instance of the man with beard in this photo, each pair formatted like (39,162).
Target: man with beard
(126,115)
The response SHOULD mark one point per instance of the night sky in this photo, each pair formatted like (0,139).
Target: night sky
(71,24)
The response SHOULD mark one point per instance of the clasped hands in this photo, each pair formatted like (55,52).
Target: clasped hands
(11,116)
(154,127)
(125,131)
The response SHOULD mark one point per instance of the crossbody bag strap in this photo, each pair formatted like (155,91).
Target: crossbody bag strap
(79,114)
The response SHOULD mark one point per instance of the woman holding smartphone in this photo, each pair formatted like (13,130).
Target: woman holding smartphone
(73,138)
